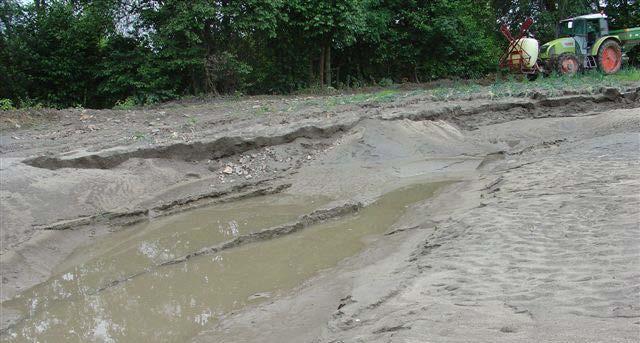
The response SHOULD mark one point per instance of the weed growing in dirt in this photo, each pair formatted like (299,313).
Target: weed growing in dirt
(6,105)
(263,110)
(139,136)
(456,92)
(126,104)
(628,74)
(191,122)
(387,95)
(30,104)
(555,84)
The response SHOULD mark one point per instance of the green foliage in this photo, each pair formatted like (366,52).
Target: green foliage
(627,74)
(139,136)
(387,95)
(125,104)
(125,53)
(556,84)
(385,82)
(191,122)
(263,110)
(6,105)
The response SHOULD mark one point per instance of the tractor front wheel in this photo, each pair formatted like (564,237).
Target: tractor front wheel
(610,57)
(568,64)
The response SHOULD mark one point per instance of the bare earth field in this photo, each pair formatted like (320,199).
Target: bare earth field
(394,216)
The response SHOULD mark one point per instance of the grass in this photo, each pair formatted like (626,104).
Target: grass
(456,92)
(263,110)
(628,74)
(190,122)
(386,95)
(553,85)
(139,136)
(512,86)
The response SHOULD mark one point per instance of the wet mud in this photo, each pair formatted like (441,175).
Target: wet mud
(216,238)
(190,292)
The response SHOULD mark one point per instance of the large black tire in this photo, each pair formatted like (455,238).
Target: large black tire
(568,64)
(609,57)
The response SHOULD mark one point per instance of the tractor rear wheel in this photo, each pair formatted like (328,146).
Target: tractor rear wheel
(609,57)
(568,64)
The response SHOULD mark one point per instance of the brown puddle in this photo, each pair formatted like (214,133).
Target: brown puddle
(175,302)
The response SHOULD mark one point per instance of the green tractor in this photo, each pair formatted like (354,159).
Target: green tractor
(582,43)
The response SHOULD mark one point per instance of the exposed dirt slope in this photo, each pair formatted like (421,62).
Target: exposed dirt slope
(548,162)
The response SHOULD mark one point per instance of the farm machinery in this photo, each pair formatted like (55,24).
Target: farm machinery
(582,43)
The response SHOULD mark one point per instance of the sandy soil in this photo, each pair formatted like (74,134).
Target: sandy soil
(537,240)
(541,245)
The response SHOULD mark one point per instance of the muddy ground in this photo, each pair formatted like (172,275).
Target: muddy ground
(534,237)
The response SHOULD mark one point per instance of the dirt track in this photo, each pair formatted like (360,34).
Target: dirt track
(537,239)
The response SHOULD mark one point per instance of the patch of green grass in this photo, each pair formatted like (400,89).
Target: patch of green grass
(263,110)
(191,122)
(628,74)
(387,95)
(555,84)
(457,91)
(139,136)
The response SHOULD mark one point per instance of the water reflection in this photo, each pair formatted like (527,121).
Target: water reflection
(174,302)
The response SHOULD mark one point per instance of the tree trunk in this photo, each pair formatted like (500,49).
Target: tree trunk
(549,5)
(327,62)
(40,6)
(194,86)
(321,68)
(311,77)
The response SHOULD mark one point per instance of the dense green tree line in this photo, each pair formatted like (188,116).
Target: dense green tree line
(95,53)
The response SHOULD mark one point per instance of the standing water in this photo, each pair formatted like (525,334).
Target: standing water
(174,302)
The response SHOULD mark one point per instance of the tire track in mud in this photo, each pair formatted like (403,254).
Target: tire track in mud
(455,114)
(303,222)
(215,149)
(540,107)
(230,145)
(234,193)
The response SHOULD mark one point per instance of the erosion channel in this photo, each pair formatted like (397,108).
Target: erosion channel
(506,220)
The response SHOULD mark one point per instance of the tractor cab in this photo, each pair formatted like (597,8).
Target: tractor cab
(585,30)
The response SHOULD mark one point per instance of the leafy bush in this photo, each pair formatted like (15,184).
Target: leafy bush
(75,53)
(30,103)
(125,104)
(385,82)
(6,105)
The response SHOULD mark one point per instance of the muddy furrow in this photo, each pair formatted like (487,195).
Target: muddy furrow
(303,222)
(494,113)
(135,216)
(218,148)
(260,236)
(231,145)
(275,232)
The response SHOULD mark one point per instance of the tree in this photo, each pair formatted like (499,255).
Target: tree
(330,24)
(95,53)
